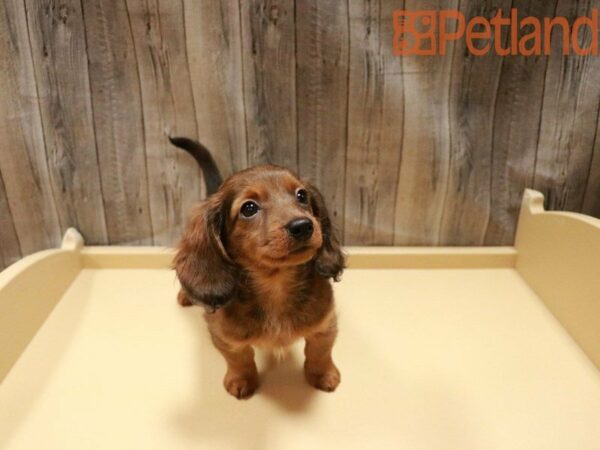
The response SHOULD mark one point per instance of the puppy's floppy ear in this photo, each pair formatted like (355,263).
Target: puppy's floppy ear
(330,260)
(203,267)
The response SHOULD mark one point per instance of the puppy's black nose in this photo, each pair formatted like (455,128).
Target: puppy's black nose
(300,229)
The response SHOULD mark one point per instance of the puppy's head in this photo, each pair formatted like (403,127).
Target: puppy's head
(262,218)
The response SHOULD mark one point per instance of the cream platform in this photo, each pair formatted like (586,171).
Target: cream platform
(439,348)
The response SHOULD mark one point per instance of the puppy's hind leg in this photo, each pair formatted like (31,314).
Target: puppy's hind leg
(319,369)
(241,379)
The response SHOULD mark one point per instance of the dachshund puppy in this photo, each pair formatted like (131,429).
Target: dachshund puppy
(258,254)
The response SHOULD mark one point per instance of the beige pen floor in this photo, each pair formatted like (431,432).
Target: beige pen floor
(430,359)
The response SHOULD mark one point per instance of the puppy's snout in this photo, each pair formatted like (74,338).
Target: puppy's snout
(300,229)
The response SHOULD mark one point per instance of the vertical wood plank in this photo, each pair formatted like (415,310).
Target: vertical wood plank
(516,131)
(569,118)
(375,117)
(214,50)
(60,61)
(591,201)
(425,142)
(174,180)
(322,98)
(22,156)
(10,249)
(269,64)
(472,106)
(118,121)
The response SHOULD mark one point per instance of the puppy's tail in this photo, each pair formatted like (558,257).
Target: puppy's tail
(212,175)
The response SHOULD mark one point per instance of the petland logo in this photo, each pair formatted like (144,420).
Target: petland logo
(429,32)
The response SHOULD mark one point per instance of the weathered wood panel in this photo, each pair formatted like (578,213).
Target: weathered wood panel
(514,146)
(569,119)
(214,51)
(10,251)
(174,181)
(60,60)
(591,201)
(322,52)
(410,150)
(118,121)
(475,83)
(375,117)
(269,65)
(423,177)
(23,159)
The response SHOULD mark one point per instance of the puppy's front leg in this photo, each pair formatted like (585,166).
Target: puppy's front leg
(241,379)
(183,299)
(319,369)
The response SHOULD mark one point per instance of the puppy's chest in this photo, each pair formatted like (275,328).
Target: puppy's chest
(277,302)
(275,314)
(276,330)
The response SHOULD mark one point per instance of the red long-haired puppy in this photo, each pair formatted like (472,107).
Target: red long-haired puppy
(258,253)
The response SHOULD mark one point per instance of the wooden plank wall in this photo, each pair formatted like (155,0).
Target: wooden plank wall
(407,151)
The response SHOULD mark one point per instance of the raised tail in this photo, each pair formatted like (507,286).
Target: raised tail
(212,176)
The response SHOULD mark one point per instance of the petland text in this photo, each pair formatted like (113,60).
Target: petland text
(429,32)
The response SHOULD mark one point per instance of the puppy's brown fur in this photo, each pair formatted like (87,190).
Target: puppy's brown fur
(260,286)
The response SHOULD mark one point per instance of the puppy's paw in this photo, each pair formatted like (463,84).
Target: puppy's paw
(183,299)
(241,385)
(326,380)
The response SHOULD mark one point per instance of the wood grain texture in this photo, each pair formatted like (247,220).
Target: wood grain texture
(514,146)
(269,65)
(413,150)
(10,250)
(60,59)
(174,181)
(322,56)
(118,121)
(591,201)
(214,51)
(423,178)
(23,159)
(569,119)
(475,82)
(375,118)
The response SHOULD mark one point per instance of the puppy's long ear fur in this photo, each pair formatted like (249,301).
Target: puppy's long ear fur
(330,260)
(203,267)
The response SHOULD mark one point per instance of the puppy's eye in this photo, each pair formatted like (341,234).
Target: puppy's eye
(249,208)
(302,196)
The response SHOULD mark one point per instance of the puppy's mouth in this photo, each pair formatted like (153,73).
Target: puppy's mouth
(297,255)
(300,250)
